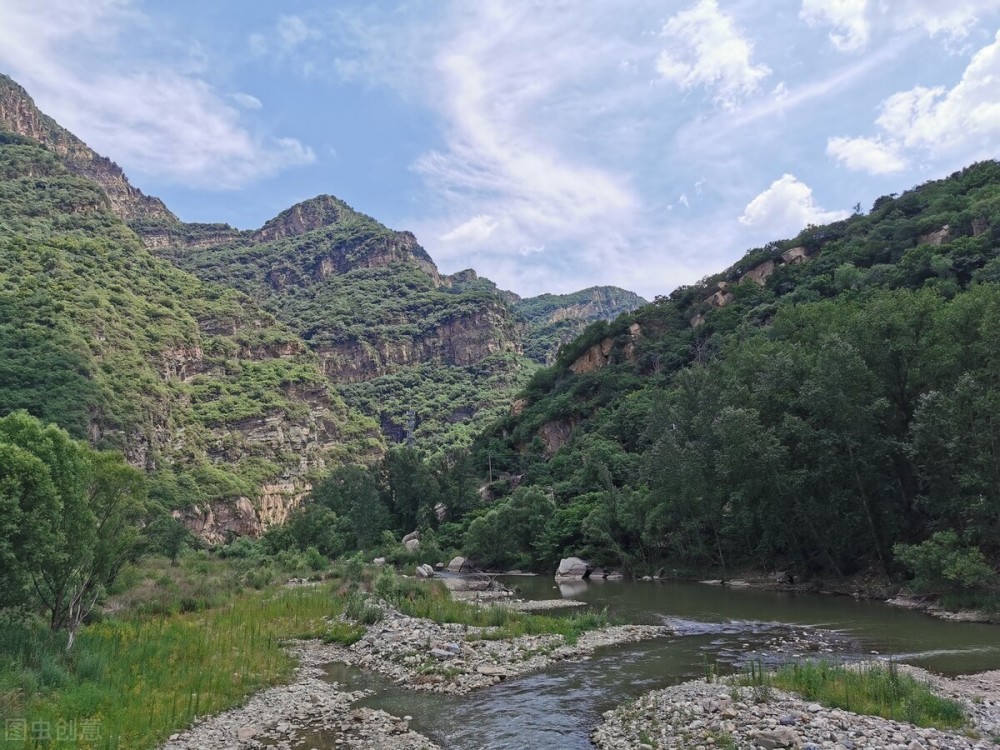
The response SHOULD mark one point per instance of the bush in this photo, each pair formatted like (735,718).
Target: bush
(944,564)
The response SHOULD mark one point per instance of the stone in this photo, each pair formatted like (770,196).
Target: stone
(777,737)
(411,535)
(489,671)
(440,653)
(378,561)
(573,567)
(425,571)
(439,566)
(456,564)
(412,545)
(247,733)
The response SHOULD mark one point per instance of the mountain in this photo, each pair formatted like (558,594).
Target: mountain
(18,114)
(557,319)
(392,332)
(237,366)
(826,404)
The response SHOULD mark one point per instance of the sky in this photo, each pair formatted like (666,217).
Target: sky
(549,145)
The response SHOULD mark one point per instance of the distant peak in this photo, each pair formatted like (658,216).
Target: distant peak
(315,213)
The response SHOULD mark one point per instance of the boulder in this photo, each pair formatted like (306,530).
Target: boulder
(378,561)
(573,567)
(439,566)
(412,545)
(456,564)
(412,535)
(440,511)
(425,571)
(615,575)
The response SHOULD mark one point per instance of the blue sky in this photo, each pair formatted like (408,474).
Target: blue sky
(549,145)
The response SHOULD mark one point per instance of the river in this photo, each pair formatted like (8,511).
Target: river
(720,629)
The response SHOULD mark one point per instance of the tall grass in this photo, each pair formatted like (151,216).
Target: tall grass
(154,663)
(140,678)
(875,690)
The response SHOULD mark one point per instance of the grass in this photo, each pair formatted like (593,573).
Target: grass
(875,690)
(431,600)
(173,642)
(198,638)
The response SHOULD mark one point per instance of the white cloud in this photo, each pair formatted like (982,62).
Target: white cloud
(847,17)
(952,18)
(706,49)
(866,154)
(854,22)
(934,123)
(474,231)
(785,208)
(152,117)
(292,31)
(247,101)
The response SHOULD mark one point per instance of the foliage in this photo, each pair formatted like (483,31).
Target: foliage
(120,347)
(84,507)
(844,405)
(874,690)
(943,564)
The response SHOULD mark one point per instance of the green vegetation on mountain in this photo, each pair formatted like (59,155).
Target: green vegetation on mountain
(557,319)
(394,334)
(120,347)
(826,405)
(812,415)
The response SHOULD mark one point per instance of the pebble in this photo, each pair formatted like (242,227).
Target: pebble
(676,717)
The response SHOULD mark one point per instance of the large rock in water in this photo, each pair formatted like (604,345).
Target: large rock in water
(573,567)
(456,564)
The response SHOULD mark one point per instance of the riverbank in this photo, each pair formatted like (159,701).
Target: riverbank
(283,717)
(868,586)
(724,715)
(421,654)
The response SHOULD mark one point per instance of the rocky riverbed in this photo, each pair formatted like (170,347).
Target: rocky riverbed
(448,658)
(704,715)
(284,717)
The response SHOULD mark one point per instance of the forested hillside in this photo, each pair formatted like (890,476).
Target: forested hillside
(827,406)
(273,356)
(822,402)
(393,334)
(192,381)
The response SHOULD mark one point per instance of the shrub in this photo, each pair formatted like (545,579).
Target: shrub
(944,564)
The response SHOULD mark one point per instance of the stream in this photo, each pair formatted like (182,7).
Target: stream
(718,629)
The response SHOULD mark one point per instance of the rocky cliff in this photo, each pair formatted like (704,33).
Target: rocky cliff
(18,114)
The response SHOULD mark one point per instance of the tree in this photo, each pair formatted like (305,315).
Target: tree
(352,493)
(29,508)
(98,500)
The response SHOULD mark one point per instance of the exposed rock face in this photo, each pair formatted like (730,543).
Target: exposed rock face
(600,354)
(758,274)
(938,237)
(18,114)
(163,235)
(222,521)
(795,255)
(555,435)
(462,340)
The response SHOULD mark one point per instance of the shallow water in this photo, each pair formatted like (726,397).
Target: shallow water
(718,628)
